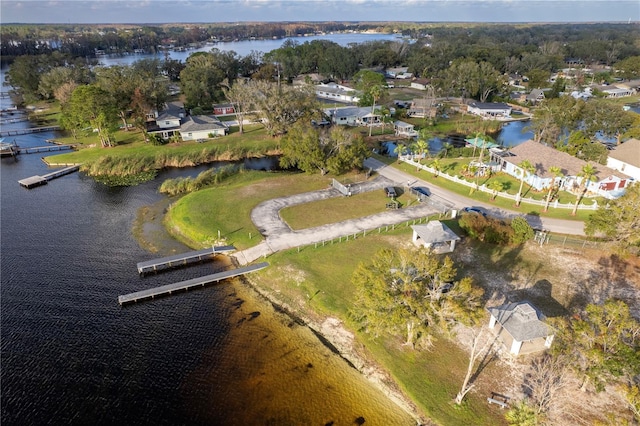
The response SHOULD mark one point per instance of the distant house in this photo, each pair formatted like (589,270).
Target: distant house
(489,109)
(223,109)
(422,108)
(535,96)
(404,129)
(420,83)
(607,182)
(337,92)
(616,92)
(353,116)
(436,236)
(520,327)
(625,158)
(202,127)
(395,72)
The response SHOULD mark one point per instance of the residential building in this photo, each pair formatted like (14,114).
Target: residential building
(489,109)
(404,129)
(354,116)
(337,92)
(202,127)
(625,158)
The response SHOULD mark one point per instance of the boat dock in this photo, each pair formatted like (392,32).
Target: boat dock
(182,259)
(186,285)
(29,130)
(46,148)
(33,181)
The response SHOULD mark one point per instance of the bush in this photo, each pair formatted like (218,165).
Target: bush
(522,231)
(486,229)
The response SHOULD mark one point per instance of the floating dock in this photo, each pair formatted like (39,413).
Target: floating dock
(186,285)
(182,259)
(33,181)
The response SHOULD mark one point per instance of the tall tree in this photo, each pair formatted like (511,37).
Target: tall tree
(479,346)
(557,173)
(200,80)
(240,95)
(409,293)
(586,173)
(607,118)
(90,107)
(619,221)
(525,168)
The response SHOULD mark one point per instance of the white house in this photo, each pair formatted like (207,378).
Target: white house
(337,92)
(404,129)
(354,116)
(606,182)
(616,92)
(435,235)
(489,109)
(202,127)
(625,158)
(520,327)
(420,83)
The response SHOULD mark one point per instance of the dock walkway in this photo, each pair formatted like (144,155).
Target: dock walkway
(186,285)
(17,132)
(32,181)
(182,259)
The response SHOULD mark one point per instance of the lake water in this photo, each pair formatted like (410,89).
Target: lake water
(219,355)
(243,48)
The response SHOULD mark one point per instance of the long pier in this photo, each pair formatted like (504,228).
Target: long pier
(46,148)
(29,130)
(186,285)
(33,181)
(182,259)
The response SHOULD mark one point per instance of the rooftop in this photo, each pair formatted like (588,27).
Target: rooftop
(522,320)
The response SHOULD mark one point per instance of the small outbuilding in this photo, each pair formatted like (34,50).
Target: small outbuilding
(436,236)
(521,327)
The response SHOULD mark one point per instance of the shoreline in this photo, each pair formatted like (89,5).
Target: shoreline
(332,334)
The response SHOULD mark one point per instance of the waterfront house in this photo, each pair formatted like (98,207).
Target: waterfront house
(520,327)
(625,158)
(404,129)
(607,182)
(354,116)
(202,127)
(535,96)
(436,236)
(337,92)
(166,123)
(489,109)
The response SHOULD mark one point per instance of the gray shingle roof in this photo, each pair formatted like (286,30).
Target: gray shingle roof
(435,232)
(200,123)
(521,320)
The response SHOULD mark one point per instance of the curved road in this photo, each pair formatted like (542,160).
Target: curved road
(279,236)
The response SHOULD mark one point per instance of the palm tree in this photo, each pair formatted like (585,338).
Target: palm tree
(400,150)
(437,166)
(587,172)
(525,167)
(376,92)
(557,173)
(421,146)
(495,186)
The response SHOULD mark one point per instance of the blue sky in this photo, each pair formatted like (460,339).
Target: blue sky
(167,11)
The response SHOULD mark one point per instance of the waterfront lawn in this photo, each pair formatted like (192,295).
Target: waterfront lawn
(316,280)
(254,142)
(338,209)
(197,218)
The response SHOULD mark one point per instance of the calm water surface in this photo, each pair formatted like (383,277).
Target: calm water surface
(216,356)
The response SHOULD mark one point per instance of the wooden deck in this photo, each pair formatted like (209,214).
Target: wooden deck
(186,285)
(182,259)
(33,181)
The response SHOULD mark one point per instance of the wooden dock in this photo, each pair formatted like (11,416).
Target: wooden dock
(33,181)
(182,259)
(29,130)
(46,148)
(186,285)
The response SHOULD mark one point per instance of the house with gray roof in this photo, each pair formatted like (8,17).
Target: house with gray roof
(625,158)
(521,328)
(354,116)
(489,109)
(197,127)
(436,236)
(606,182)
(337,92)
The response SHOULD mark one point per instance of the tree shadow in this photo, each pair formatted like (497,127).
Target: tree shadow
(541,295)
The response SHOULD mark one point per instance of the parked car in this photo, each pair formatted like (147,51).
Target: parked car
(421,190)
(476,210)
(390,191)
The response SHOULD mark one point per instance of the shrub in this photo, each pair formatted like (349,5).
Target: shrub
(486,229)
(522,231)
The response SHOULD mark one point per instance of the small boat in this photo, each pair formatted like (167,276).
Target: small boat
(8,148)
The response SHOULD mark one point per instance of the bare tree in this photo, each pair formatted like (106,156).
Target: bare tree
(480,347)
(546,378)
